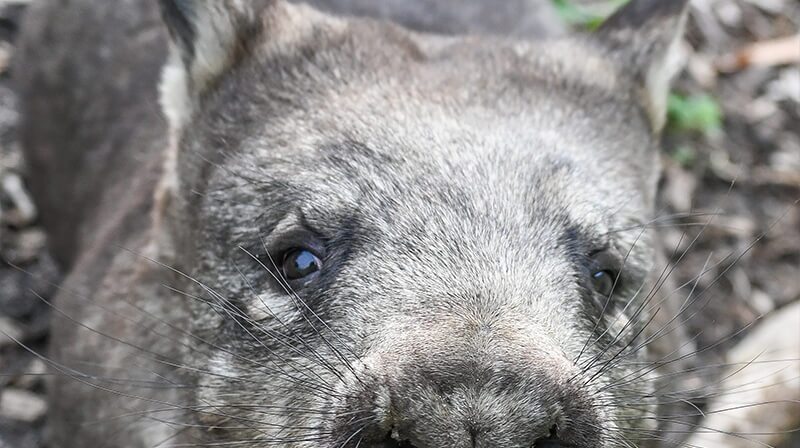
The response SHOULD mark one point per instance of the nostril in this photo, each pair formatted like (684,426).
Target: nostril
(390,442)
(550,441)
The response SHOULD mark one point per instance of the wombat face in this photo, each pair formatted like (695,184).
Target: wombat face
(408,240)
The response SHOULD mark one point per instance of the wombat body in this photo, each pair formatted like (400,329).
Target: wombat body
(285,227)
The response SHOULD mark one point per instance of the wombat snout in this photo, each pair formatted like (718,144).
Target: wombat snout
(471,403)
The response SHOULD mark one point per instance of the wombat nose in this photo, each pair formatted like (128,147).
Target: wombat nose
(391,443)
(550,441)
(492,409)
(470,398)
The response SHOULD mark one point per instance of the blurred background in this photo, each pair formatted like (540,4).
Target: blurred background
(728,209)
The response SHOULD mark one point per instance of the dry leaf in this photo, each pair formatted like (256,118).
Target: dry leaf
(767,53)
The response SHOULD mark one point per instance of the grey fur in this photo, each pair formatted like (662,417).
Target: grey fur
(455,187)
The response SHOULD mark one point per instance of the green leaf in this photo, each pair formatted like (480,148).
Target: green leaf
(587,17)
(698,113)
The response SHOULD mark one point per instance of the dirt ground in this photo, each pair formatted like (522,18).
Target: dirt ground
(728,204)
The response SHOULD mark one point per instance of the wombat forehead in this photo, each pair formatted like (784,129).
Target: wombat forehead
(435,113)
(456,187)
(341,176)
(414,175)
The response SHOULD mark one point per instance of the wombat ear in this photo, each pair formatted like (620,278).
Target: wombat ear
(645,37)
(209,36)
(206,36)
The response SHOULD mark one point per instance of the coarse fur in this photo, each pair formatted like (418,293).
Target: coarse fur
(461,183)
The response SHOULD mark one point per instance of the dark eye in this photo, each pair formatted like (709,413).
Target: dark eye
(603,282)
(300,263)
(604,272)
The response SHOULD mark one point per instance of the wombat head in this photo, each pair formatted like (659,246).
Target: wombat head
(400,239)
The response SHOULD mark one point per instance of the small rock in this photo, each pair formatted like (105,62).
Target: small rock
(729,13)
(760,109)
(740,226)
(23,204)
(770,6)
(9,331)
(21,405)
(759,301)
(758,401)
(27,246)
(787,86)
(32,376)
(707,23)
(701,67)
(679,188)
(674,240)
(722,167)
(5,56)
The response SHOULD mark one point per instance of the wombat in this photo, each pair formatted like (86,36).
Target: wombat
(407,223)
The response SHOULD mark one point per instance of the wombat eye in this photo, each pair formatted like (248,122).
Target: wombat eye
(300,263)
(603,282)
